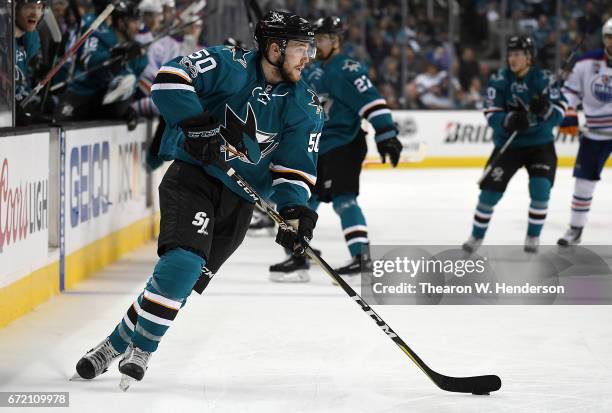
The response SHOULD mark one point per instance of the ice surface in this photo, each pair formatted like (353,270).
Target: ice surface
(248,345)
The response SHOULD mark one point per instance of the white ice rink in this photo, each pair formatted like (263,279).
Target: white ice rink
(248,345)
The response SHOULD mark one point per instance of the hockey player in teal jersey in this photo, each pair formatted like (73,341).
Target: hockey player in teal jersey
(525,100)
(348,96)
(106,93)
(224,107)
(28,14)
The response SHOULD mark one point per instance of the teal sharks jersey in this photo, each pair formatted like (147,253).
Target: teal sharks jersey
(506,93)
(347,96)
(26,48)
(286,118)
(97,50)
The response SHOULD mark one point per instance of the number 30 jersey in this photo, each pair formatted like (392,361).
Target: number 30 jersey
(287,119)
(347,96)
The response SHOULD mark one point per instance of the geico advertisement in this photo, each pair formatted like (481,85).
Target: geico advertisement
(458,134)
(105,182)
(24,204)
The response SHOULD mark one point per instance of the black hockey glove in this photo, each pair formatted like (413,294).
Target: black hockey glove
(516,121)
(302,218)
(123,52)
(540,106)
(392,147)
(202,139)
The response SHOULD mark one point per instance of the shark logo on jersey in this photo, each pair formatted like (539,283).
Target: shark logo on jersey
(518,104)
(248,130)
(351,65)
(238,54)
(315,101)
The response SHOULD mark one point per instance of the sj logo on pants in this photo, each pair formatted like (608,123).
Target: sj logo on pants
(201,221)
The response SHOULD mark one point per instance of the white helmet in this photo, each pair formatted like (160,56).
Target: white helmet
(150,6)
(607,28)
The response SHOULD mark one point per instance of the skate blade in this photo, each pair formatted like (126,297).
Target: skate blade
(126,382)
(76,377)
(299,276)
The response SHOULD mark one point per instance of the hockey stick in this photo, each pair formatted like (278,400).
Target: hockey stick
(56,35)
(94,25)
(493,161)
(476,385)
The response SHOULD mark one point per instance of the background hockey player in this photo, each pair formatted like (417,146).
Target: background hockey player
(106,93)
(27,44)
(525,100)
(348,96)
(255,103)
(590,84)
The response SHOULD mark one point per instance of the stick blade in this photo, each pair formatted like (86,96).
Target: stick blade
(479,385)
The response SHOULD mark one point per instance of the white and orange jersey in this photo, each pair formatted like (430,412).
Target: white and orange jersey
(590,83)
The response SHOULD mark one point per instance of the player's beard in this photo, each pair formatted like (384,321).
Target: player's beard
(288,74)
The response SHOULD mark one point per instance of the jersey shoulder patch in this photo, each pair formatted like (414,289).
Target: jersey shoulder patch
(500,77)
(351,66)
(236,56)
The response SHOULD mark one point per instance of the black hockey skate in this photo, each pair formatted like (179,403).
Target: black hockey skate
(96,361)
(532,244)
(292,270)
(572,236)
(261,225)
(358,264)
(472,244)
(133,366)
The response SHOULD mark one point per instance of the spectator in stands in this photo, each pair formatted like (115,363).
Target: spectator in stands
(590,25)
(473,97)
(27,44)
(433,88)
(468,67)
(390,72)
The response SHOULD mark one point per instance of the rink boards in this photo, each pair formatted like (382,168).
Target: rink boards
(452,139)
(74,199)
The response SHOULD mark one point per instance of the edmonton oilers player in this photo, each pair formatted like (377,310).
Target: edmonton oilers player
(268,132)
(590,83)
(348,96)
(523,99)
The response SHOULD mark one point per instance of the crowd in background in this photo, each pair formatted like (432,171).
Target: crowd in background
(419,55)
(440,72)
